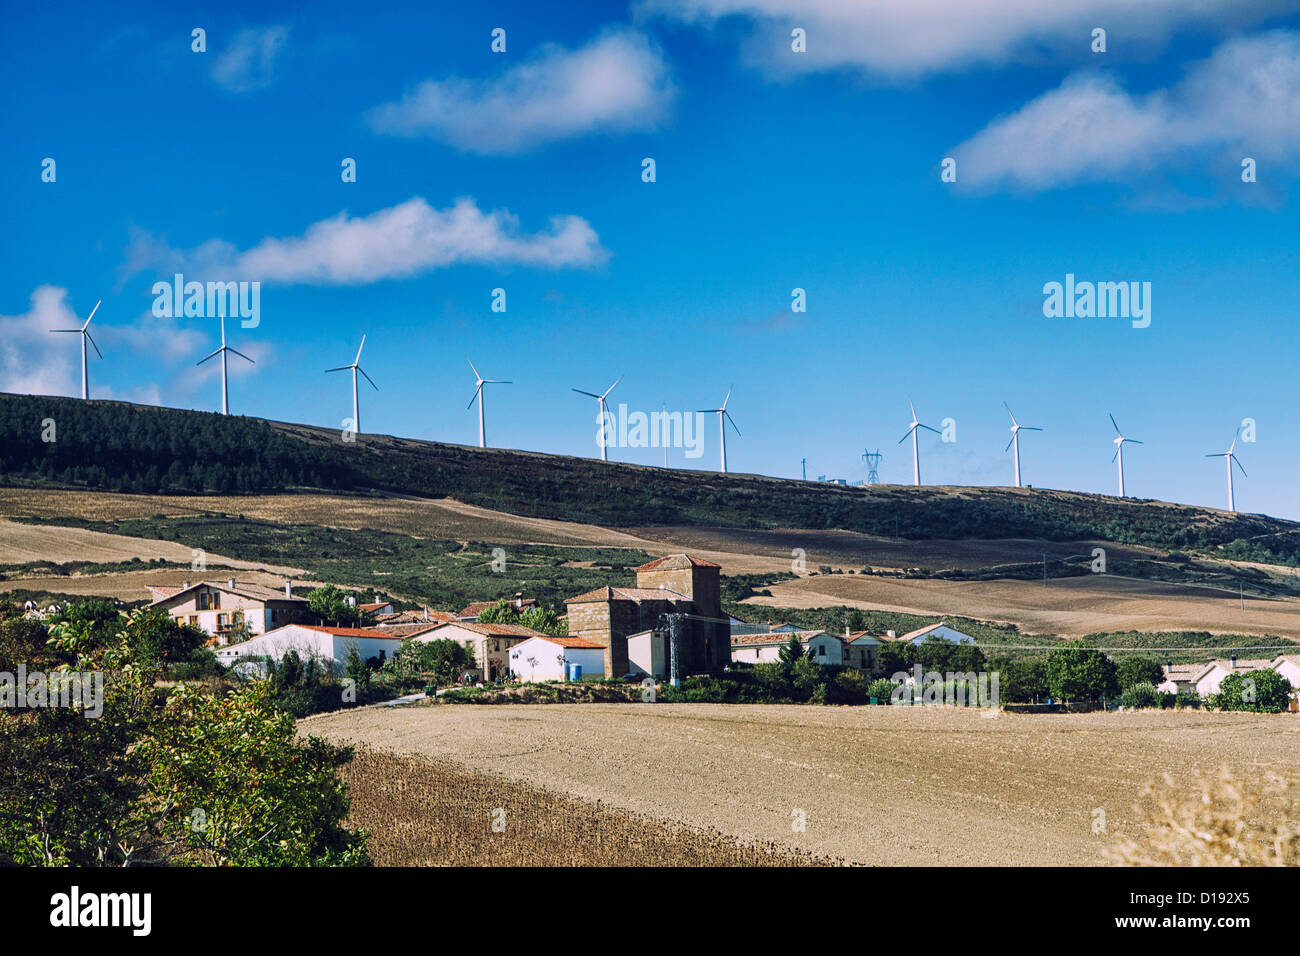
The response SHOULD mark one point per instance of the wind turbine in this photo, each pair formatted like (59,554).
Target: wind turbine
(916,455)
(355,367)
(724,416)
(225,395)
(478,394)
(1228,458)
(85,336)
(1015,438)
(1119,441)
(600,401)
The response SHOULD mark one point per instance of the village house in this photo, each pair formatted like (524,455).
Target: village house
(489,643)
(329,646)
(222,607)
(675,584)
(546,657)
(940,630)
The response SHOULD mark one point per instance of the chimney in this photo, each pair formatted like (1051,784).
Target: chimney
(890,634)
(231,583)
(846,630)
(426,613)
(519,599)
(1232,660)
(1169,665)
(288,589)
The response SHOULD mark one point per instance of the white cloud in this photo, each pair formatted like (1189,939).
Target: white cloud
(397,242)
(617,82)
(32,360)
(905,38)
(248,63)
(1245,98)
(35,361)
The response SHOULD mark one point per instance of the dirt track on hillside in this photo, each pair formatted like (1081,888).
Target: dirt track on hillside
(879,785)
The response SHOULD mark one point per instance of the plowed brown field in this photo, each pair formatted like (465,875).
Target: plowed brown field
(878,785)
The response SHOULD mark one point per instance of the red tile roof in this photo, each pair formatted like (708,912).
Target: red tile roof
(577,642)
(348,631)
(492,630)
(626,594)
(673,561)
(478,607)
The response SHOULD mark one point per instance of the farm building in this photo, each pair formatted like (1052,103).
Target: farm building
(376,607)
(674,584)
(549,658)
(1181,678)
(329,645)
(1212,675)
(940,630)
(489,643)
(1288,665)
(820,646)
(220,607)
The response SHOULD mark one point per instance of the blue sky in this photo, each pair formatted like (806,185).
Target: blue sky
(775,170)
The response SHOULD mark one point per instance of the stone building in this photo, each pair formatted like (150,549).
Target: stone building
(675,584)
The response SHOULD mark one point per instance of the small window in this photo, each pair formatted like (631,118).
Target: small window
(821,650)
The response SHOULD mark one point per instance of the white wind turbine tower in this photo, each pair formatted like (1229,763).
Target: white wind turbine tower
(85,337)
(600,401)
(724,416)
(478,394)
(225,395)
(356,367)
(1228,458)
(916,455)
(1015,438)
(1119,441)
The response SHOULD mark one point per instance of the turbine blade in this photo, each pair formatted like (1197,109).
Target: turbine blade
(471,401)
(728,398)
(589,394)
(1011,413)
(341,368)
(67,330)
(368,378)
(913,408)
(1135,441)
(928,428)
(727,416)
(206,357)
(1008,448)
(471,365)
(357,360)
(612,387)
(92,313)
(1239,465)
(1114,456)
(1030,428)
(92,343)
(240,354)
(907,434)
(1112,421)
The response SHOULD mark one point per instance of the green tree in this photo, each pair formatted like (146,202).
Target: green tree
(1021,680)
(444,658)
(1263,691)
(791,652)
(1081,673)
(1139,670)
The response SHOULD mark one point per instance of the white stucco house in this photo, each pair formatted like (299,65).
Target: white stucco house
(328,645)
(940,630)
(546,657)
(647,654)
(820,646)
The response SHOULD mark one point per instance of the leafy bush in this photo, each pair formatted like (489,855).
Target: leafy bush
(882,689)
(1080,673)
(849,686)
(1140,696)
(1139,670)
(1264,692)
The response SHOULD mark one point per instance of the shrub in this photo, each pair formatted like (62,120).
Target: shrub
(1140,696)
(849,686)
(882,689)
(1265,692)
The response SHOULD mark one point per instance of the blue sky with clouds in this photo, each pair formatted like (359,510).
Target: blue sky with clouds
(775,170)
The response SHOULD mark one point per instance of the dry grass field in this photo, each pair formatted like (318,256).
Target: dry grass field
(875,785)
(1067,606)
(420,812)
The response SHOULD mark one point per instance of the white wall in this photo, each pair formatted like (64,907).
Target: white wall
(309,644)
(646,654)
(549,665)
